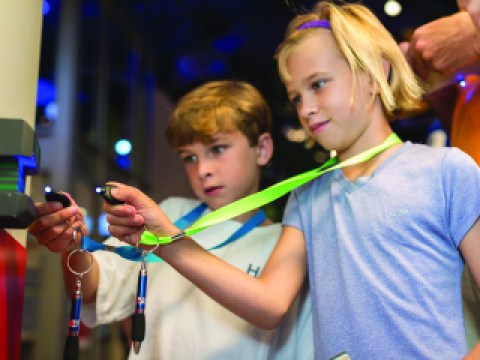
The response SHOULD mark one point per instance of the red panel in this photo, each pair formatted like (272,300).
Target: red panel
(12,283)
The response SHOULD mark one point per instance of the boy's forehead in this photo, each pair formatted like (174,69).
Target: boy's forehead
(208,140)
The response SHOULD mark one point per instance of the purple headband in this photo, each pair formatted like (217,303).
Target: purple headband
(325,24)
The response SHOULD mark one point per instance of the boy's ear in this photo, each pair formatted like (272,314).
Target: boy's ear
(264,149)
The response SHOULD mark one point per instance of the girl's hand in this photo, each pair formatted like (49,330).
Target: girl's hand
(54,226)
(129,220)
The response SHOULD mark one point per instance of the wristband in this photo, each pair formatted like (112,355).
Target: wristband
(150,239)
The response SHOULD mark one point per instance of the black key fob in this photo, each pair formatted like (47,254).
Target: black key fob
(52,195)
(106,193)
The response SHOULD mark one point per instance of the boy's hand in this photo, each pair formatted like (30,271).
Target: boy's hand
(54,226)
(129,220)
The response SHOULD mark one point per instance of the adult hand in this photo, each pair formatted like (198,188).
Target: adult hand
(473,8)
(444,45)
(128,221)
(54,226)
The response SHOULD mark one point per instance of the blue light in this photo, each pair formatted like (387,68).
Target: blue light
(228,44)
(461,80)
(46,92)
(123,147)
(45,8)
(51,110)
(123,161)
(103,225)
(88,223)
(201,65)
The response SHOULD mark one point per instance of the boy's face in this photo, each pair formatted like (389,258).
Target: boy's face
(321,90)
(222,171)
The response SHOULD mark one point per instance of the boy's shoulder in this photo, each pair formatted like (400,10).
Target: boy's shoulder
(176,206)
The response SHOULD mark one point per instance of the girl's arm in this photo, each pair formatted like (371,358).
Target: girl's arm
(470,249)
(262,301)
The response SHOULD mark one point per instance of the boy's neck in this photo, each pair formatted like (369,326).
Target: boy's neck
(244,217)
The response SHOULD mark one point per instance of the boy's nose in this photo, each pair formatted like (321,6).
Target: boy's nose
(204,168)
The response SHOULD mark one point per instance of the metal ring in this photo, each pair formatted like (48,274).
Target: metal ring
(146,252)
(79,274)
(77,230)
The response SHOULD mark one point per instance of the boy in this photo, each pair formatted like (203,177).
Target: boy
(221,131)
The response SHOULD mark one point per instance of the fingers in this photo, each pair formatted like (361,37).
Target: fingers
(53,227)
(51,214)
(404,45)
(127,234)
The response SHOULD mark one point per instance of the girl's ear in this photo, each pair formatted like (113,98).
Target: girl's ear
(264,149)
(386,69)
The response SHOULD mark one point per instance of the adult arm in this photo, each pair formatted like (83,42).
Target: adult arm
(473,8)
(444,45)
(261,301)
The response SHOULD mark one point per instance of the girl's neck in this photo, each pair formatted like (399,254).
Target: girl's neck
(368,167)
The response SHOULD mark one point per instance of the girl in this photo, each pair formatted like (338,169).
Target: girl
(385,239)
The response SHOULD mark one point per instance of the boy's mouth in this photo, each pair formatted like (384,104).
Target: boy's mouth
(212,190)
(318,127)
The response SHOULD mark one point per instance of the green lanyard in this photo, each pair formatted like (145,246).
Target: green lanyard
(271,193)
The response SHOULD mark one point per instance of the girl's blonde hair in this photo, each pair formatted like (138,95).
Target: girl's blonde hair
(366,45)
(219,106)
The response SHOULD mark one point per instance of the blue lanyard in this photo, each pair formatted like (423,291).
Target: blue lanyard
(131,253)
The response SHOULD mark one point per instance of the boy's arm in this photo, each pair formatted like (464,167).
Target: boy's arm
(470,249)
(53,228)
(262,301)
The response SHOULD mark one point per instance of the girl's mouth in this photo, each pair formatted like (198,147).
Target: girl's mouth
(318,127)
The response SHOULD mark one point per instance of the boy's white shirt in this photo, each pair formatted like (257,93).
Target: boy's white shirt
(187,324)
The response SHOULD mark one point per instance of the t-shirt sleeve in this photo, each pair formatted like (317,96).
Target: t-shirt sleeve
(116,289)
(291,215)
(461,183)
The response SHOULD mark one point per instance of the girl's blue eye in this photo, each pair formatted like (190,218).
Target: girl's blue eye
(319,84)
(296,100)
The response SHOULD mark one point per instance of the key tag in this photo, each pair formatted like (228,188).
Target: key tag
(71,345)
(138,317)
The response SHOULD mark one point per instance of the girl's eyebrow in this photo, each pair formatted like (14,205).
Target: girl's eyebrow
(308,79)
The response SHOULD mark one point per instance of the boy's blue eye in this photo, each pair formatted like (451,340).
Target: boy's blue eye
(218,149)
(189,158)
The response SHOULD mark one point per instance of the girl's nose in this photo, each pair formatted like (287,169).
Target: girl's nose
(308,107)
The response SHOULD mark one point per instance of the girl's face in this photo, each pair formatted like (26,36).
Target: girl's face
(224,170)
(321,90)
